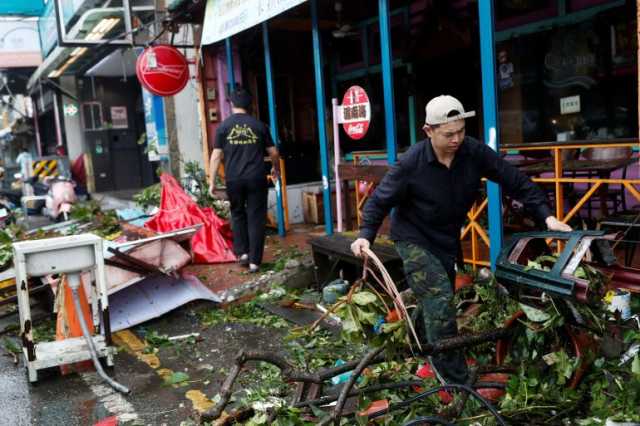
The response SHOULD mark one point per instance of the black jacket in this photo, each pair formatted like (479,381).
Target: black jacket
(430,202)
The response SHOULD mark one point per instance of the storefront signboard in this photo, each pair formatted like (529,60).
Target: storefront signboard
(355,112)
(157,145)
(70,109)
(224,18)
(355,115)
(162,70)
(570,104)
(119,117)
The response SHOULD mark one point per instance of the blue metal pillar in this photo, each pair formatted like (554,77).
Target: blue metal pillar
(231,77)
(413,138)
(321,108)
(490,120)
(273,122)
(387,81)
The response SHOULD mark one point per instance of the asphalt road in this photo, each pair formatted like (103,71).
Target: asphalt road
(82,399)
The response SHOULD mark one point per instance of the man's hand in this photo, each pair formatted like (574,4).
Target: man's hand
(553,224)
(275,174)
(212,191)
(358,246)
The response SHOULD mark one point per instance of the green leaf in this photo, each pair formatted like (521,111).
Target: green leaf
(533,314)
(349,323)
(389,327)
(5,238)
(176,378)
(258,419)
(363,298)
(635,365)
(366,316)
(11,346)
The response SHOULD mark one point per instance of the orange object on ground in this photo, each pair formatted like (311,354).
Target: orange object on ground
(491,394)
(213,241)
(463,281)
(68,322)
(392,316)
(375,407)
(108,421)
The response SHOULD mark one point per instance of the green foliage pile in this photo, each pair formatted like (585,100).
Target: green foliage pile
(544,359)
(149,197)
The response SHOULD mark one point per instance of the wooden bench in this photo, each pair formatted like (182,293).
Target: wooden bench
(332,256)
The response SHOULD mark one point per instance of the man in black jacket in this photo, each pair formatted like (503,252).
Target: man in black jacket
(242,142)
(430,190)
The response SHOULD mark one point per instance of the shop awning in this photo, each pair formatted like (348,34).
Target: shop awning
(62,56)
(224,18)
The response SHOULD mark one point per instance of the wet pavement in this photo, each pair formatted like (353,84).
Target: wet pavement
(83,399)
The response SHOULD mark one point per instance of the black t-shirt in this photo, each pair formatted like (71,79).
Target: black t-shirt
(243,140)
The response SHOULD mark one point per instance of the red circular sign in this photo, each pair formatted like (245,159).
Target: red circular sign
(356,112)
(162,70)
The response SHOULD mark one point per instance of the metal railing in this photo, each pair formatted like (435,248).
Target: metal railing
(477,234)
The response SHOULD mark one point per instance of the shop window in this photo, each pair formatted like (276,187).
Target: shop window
(512,13)
(575,5)
(92,115)
(624,45)
(349,52)
(399,38)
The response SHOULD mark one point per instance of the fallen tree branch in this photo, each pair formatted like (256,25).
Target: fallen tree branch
(369,389)
(225,393)
(464,341)
(337,412)
(291,374)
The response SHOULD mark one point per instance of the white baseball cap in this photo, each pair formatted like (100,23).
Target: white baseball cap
(439,108)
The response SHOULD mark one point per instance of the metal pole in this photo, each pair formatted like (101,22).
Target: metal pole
(127,21)
(230,73)
(336,161)
(273,122)
(490,121)
(320,107)
(56,119)
(387,81)
(36,127)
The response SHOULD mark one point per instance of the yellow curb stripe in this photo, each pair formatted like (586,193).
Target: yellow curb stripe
(7,283)
(133,344)
(199,400)
(130,342)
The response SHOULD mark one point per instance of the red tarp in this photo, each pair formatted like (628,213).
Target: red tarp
(212,243)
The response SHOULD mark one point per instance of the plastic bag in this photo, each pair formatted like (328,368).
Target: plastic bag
(213,241)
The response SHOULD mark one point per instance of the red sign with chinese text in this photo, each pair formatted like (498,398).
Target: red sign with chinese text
(356,112)
(162,70)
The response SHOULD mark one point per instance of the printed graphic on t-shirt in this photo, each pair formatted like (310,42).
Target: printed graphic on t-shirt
(242,135)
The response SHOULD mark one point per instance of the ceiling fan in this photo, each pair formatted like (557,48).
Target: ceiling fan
(342,30)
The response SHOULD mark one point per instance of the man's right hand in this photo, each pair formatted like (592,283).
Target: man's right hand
(358,246)
(212,192)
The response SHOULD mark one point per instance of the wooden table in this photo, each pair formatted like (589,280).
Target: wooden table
(601,169)
(332,257)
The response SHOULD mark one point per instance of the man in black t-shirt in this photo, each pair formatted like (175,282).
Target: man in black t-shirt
(241,143)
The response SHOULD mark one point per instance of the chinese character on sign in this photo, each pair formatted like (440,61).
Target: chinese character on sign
(355,107)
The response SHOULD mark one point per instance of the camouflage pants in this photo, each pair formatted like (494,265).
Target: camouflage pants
(431,282)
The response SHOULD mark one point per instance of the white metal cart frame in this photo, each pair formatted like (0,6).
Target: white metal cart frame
(62,255)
